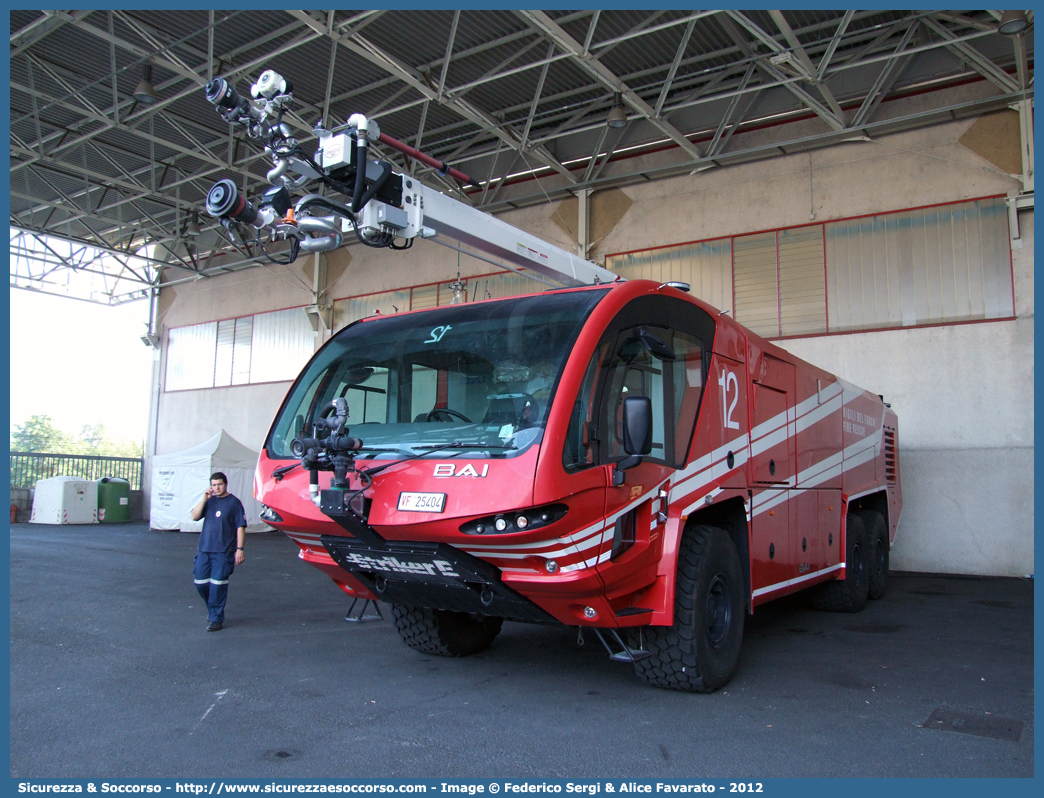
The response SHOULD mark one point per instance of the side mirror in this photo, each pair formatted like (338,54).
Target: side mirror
(637,425)
(637,435)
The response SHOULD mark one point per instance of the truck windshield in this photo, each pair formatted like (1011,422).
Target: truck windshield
(481,375)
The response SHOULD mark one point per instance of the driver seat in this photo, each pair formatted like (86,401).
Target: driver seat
(518,409)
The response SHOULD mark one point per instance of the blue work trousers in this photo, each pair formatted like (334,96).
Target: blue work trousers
(211,571)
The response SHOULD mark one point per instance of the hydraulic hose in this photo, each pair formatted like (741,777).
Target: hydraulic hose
(308,200)
(441,167)
(360,173)
(378,184)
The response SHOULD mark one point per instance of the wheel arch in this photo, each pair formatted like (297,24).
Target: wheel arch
(729,515)
(872,503)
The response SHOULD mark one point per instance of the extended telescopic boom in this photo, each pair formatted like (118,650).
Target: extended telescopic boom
(385,208)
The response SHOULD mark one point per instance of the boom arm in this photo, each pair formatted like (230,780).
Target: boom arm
(384,207)
(431,214)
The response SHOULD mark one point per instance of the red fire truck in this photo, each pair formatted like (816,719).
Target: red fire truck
(621,457)
(613,455)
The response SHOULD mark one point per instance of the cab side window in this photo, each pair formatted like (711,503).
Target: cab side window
(580,449)
(636,370)
(687,382)
(640,355)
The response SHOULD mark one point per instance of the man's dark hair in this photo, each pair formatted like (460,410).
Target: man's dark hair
(220,476)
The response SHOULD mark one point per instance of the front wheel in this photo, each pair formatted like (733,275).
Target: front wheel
(700,651)
(444,633)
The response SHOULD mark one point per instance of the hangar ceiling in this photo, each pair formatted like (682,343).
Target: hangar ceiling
(103,185)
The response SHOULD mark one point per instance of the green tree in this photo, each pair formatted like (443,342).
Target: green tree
(38,434)
(97,440)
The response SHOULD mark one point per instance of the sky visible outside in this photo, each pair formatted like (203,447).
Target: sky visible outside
(80,363)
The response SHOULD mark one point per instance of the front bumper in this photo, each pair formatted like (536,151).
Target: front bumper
(434,575)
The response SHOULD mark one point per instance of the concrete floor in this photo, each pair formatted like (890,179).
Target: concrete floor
(113,675)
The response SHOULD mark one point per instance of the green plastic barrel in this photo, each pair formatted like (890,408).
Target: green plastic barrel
(113,500)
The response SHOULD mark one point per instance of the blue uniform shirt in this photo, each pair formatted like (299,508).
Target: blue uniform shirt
(221,518)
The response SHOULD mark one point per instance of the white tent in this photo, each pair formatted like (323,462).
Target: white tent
(179,479)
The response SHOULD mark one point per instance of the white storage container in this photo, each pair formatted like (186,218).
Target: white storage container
(65,500)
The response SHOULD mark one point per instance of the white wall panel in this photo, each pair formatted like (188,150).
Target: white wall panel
(705,265)
(931,265)
(281,344)
(756,282)
(190,357)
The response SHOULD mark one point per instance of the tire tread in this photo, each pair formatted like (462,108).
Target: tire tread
(841,595)
(672,661)
(444,633)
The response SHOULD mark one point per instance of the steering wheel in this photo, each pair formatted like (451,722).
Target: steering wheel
(435,415)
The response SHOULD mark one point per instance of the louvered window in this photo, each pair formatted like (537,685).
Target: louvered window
(756,283)
(949,263)
(705,265)
(232,359)
(265,347)
(802,293)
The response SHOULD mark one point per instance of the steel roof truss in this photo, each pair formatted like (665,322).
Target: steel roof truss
(536,95)
(976,60)
(686,35)
(366,49)
(717,144)
(806,63)
(891,72)
(835,40)
(548,27)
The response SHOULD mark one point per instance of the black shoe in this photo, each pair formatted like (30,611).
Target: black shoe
(214,626)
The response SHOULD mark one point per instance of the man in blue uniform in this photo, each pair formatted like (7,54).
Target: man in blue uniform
(221,546)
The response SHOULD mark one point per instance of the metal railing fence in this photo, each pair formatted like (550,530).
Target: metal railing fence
(29,467)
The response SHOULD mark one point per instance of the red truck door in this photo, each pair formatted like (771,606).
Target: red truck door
(657,347)
(772,459)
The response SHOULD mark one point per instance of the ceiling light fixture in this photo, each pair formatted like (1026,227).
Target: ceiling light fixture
(146,92)
(617,115)
(1012,23)
(192,227)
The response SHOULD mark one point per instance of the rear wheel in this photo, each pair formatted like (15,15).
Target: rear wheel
(700,652)
(444,633)
(877,543)
(848,594)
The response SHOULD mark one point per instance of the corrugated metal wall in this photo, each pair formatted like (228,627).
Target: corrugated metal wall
(949,263)
(267,347)
(190,356)
(280,345)
(706,266)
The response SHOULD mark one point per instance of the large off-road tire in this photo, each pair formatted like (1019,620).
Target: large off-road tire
(444,633)
(700,652)
(848,594)
(877,546)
